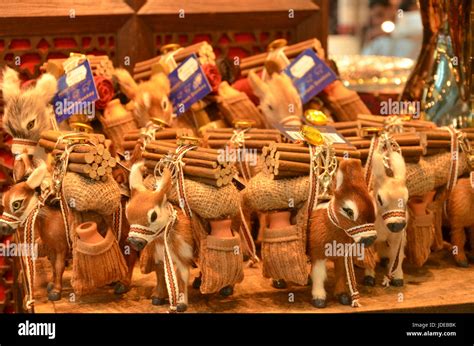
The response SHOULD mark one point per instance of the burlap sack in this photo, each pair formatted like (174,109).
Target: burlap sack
(265,194)
(221,263)
(205,200)
(436,207)
(283,255)
(85,194)
(420,234)
(96,265)
(430,173)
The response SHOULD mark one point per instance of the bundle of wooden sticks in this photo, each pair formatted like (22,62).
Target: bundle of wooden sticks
(439,140)
(253,138)
(379,121)
(204,165)
(144,69)
(90,158)
(292,51)
(101,65)
(288,160)
(412,144)
(169,135)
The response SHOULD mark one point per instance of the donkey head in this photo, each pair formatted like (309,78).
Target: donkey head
(352,204)
(390,190)
(148,212)
(279,99)
(20,200)
(150,97)
(27,113)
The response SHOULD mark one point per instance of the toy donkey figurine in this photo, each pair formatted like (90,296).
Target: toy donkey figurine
(391,196)
(279,99)
(156,222)
(346,221)
(19,202)
(27,113)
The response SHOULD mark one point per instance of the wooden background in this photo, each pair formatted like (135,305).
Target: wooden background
(31,31)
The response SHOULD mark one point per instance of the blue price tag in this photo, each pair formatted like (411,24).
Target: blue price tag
(188,84)
(309,74)
(76,93)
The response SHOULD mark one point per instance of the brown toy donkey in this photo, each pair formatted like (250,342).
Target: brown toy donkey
(156,223)
(339,230)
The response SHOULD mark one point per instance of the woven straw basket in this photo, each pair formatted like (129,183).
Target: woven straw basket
(115,129)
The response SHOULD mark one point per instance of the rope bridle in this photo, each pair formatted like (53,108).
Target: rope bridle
(356,233)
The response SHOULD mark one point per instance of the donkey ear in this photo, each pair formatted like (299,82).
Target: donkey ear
(398,166)
(46,87)
(164,185)
(161,81)
(136,177)
(11,84)
(258,86)
(37,176)
(378,168)
(127,83)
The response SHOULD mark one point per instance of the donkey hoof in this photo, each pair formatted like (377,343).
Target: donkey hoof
(181,307)
(54,296)
(470,257)
(369,281)
(49,287)
(158,301)
(344,299)
(279,284)
(462,263)
(226,291)
(396,282)
(120,288)
(384,262)
(319,303)
(197,283)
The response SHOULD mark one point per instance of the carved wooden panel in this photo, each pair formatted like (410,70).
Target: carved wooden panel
(29,53)
(227,43)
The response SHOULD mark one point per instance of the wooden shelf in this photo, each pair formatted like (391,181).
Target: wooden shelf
(439,286)
(226,14)
(45,17)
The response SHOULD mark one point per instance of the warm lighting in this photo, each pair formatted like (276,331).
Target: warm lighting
(388,26)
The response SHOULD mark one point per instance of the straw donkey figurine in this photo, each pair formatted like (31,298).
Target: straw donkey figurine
(391,197)
(156,222)
(347,220)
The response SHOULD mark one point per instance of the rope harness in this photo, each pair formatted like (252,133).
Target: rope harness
(356,233)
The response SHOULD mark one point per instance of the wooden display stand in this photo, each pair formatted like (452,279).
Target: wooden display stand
(129,31)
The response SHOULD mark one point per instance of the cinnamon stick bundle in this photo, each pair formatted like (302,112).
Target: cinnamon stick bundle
(284,160)
(91,159)
(168,134)
(205,165)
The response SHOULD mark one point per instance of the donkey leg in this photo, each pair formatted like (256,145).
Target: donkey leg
(340,290)
(159,295)
(458,240)
(52,260)
(394,241)
(59,265)
(183,279)
(318,276)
